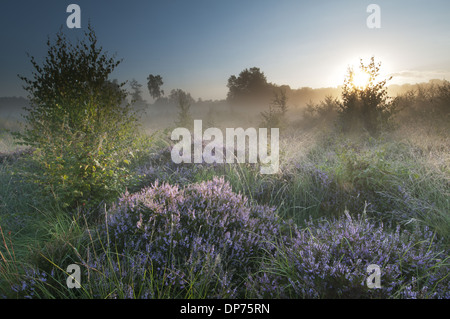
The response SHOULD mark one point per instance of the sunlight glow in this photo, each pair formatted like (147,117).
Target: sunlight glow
(350,61)
(360,78)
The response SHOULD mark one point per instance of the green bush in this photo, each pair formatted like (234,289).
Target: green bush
(83,133)
(367,107)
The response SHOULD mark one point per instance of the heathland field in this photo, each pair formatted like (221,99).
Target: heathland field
(93,204)
(338,203)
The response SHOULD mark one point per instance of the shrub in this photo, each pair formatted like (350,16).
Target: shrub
(325,111)
(366,107)
(330,259)
(427,103)
(275,117)
(203,235)
(204,241)
(81,129)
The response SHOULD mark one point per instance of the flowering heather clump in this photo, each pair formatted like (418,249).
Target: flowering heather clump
(160,166)
(205,241)
(30,283)
(203,234)
(330,260)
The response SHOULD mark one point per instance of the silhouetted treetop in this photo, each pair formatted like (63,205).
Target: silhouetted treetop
(154,86)
(250,87)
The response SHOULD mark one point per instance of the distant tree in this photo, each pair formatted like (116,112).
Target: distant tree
(154,86)
(210,117)
(136,94)
(444,100)
(183,101)
(430,101)
(280,101)
(250,87)
(275,117)
(325,111)
(368,107)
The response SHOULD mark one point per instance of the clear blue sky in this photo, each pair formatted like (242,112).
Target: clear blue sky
(195,45)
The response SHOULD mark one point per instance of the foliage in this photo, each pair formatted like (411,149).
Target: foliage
(206,241)
(426,102)
(330,259)
(82,132)
(197,236)
(183,100)
(136,94)
(444,98)
(203,230)
(366,107)
(250,87)
(275,117)
(325,111)
(154,86)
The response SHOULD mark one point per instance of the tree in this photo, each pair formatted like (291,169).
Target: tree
(443,108)
(324,111)
(183,101)
(136,94)
(154,86)
(280,101)
(368,106)
(78,122)
(250,87)
(275,117)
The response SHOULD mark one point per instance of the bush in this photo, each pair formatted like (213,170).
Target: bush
(330,259)
(427,103)
(323,112)
(204,241)
(201,237)
(275,117)
(366,107)
(83,133)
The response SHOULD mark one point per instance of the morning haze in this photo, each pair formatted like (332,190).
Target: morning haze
(224,150)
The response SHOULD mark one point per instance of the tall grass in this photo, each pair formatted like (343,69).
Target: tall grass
(400,179)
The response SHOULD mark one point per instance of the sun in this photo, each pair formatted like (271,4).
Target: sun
(360,79)
(362,75)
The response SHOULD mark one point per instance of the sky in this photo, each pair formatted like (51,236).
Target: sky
(196,45)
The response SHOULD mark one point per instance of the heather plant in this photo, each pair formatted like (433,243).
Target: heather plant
(329,259)
(201,231)
(204,241)
(160,166)
(173,239)
(394,183)
(387,176)
(336,174)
